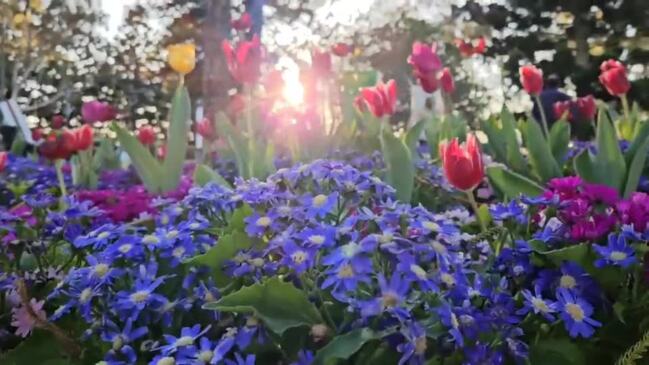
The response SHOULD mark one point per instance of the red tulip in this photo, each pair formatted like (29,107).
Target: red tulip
(467,49)
(37,134)
(429,82)
(236,106)
(244,61)
(96,111)
(341,49)
(563,109)
(321,62)
(58,145)
(380,99)
(205,129)
(3,160)
(532,79)
(243,23)
(587,107)
(462,163)
(446,80)
(614,78)
(146,135)
(84,138)
(424,58)
(162,152)
(58,121)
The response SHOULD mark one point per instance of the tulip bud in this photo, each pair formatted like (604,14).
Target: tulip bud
(96,111)
(84,138)
(562,109)
(614,78)
(462,164)
(37,134)
(244,61)
(58,121)
(243,23)
(3,160)
(182,57)
(587,107)
(532,79)
(146,135)
(446,81)
(205,129)
(381,100)
(341,49)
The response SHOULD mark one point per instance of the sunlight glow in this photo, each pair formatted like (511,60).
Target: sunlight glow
(293,90)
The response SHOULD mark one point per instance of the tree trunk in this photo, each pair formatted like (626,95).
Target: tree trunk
(216,78)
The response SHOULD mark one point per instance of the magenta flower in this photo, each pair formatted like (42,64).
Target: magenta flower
(635,211)
(96,111)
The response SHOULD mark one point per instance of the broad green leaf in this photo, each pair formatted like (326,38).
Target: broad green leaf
(279,304)
(146,166)
(512,184)
(543,163)
(484,215)
(556,351)
(497,142)
(560,140)
(18,145)
(181,116)
(39,348)
(344,346)
(576,253)
(225,249)
(433,137)
(203,175)
(237,219)
(513,155)
(608,166)
(105,157)
(642,133)
(400,167)
(412,136)
(636,168)
(237,143)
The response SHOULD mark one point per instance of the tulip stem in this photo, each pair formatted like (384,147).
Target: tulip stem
(476,210)
(544,119)
(250,132)
(58,165)
(627,111)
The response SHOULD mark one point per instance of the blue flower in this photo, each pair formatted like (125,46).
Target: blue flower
(501,212)
(99,237)
(121,339)
(185,343)
(127,247)
(415,273)
(304,357)
(617,253)
(449,319)
(415,345)
(320,205)
(257,224)
(240,360)
(535,303)
(575,313)
(141,296)
(392,298)
(319,237)
(202,355)
(298,258)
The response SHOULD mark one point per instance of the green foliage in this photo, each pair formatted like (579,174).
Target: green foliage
(556,351)
(503,141)
(18,145)
(105,157)
(344,346)
(447,128)
(399,164)
(279,304)
(608,167)
(412,136)
(180,118)
(39,348)
(559,140)
(203,175)
(544,165)
(512,184)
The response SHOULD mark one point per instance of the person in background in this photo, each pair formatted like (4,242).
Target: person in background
(550,95)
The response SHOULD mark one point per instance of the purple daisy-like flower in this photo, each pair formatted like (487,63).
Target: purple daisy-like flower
(616,253)
(297,257)
(537,304)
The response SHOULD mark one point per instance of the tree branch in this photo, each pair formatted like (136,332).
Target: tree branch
(45,102)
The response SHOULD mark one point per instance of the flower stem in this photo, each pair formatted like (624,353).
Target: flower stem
(59,175)
(476,210)
(544,119)
(250,132)
(627,114)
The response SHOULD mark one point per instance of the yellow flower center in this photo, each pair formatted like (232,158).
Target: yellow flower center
(346,272)
(103,235)
(150,240)
(319,200)
(420,345)
(178,252)
(618,255)
(263,222)
(185,341)
(118,342)
(567,281)
(166,361)
(575,312)
(125,248)
(317,239)
(172,234)
(448,279)
(85,295)
(540,305)
(431,226)
(390,300)
(140,296)
(454,321)
(439,248)
(299,257)
(206,356)
(101,270)
(419,272)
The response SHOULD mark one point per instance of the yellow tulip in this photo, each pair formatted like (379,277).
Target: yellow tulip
(37,5)
(182,57)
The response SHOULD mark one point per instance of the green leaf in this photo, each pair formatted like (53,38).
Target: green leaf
(203,175)
(512,184)
(636,168)
(39,348)
(225,249)
(412,136)
(608,166)
(18,145)
(433,137)
(237,220)
(484,215)
(556,351)
(400,167)
(105,157)
(514,157)
(146,166)
(642,133)
(497,142)
(279,304)
(543,163)
(344,346)
(237,143)
(560,140)
(181,116)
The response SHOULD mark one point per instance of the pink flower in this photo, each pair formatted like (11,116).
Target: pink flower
(22,319)
(531,79)
(321,62)
(96,111)
(446,80)
(243,23)
(244,60)
(614,78)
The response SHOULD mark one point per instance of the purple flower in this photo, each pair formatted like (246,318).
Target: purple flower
(298,258)
(575,313)
(392,298)
(535,303)
(414,348)
(617,253)
(413,272)
(450,320)
(121,339)
(257,224)
(320,205)
(185,343)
